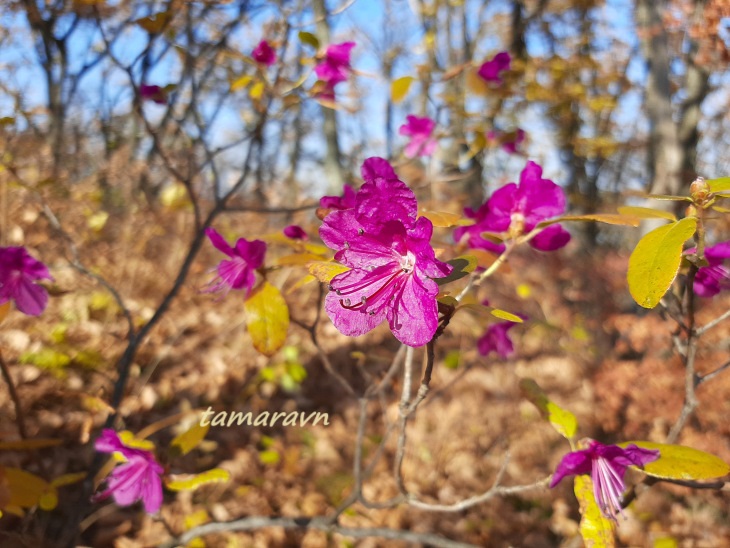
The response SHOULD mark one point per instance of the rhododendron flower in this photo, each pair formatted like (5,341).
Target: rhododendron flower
(714,277)
(496,339)
(392,263)
(607,465)
(335,67)
(516,209)
(240,270)
(18,272)
(295,232)
(153,93)
(510,141)
(264,54)
(491,70)
(138,478)
(420,131)
(346,201)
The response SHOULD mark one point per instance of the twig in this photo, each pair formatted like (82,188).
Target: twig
(702,330)
(699,379)
(19,417)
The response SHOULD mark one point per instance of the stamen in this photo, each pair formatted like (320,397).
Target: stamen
(363,301)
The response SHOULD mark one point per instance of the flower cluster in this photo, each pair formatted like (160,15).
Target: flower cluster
(156,94)
(514,210)
(240,270)
(510,141)
(18,272)
(392,264)
(491,70)
(264,54)
(138,478)
(420,130)
(335,67)
(606,465)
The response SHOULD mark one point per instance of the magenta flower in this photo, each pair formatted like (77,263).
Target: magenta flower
(335,67)
(392,263)
(18,271)
(137,479)
(607,465)
(714,277)
(346,201)
(264,54)
(153,93)
(516,209)
(240,271)
(496,339)
(295,232)
(510,141)
(491,70)
(420,131)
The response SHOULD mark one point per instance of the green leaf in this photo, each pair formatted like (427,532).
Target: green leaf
(719,185)
(654,263)
(399,88)
(267,318)
(682,463)
(646,213)
(269,456)
(463,266)
(191,483)
(596,530)
(309,39)
(190,439)
(563,421)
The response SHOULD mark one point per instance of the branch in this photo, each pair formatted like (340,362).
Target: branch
(19,417)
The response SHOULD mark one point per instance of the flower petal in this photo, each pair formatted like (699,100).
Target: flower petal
(218,242)
(551,238)
(577,462)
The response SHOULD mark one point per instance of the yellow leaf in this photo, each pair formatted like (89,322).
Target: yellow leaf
(444,219)
(256,91)
(97,221)
(309,39)
(504,315)
(399,88)
(267,318)
(646,213)
(130,440)
(241,82)
(38,443)
(719,185)
(608,218)
(68,479)
(175,196)
(682,463)
(562,420)
(156,22)
(48,500)
(654,263)
(191,483)
(24,489)
(297,259)
(196,518)
(596,530)
(190,439)
(324,271)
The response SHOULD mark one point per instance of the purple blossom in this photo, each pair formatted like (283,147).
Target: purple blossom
(335,67)
(18,272)
(420,131)
(137,479)
(497,339)
(714,277)
(490,70)
(153,93)
(510,141)
(391,259)
(240,270)
(607,465)
(295,232)
(264,54)
(516,209)
(346,201)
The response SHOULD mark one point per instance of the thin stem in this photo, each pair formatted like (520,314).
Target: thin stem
(19,417)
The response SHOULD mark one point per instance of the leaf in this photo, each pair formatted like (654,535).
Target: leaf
(444,219)
(654,263)
(596,530)
(324,271)
(256,91)
(504,315)
(297,259)
(241,82)
(38,443)
(155,22)
(191,483)
(463,266)
(4,309)
(608,218)
(268,318)
(23,488)
(309,39)
(476,146)
(399,88)
(190,439)
(682,463)
(269,456)
(68,479)
(646,213)
(562,420)
(670,198)
(719,185)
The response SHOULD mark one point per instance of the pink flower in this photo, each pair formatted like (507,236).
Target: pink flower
(517,209)
(264,54)
(607,465)
(295,232)
(491,70)
(18,272)
(496,339)
(392,263)
(510,141)
(153,93)
(335,67)
(346,201)
(420,131)
(240,270)
(137,479)
(714,277)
